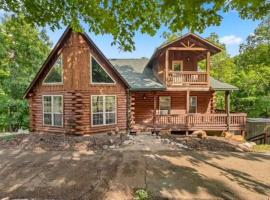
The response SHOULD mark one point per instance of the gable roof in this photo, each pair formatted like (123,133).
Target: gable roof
(140,76)
(212,47)
(57,47)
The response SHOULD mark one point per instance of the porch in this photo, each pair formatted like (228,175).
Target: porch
(147,113)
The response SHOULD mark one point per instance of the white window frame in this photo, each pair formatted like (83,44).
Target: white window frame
(55,83)
(91,74)
(196,100)
(169,112)
(52,113)
(104,110)
(178,62)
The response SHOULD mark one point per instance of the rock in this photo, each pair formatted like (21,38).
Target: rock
(112,147)
(126,142)
(244,147)
(105,147)
(248,144)
(181,146)
(200,134)
(166,141)
(111,141)
(227,134)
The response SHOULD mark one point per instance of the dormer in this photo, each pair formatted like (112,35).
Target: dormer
(175,63)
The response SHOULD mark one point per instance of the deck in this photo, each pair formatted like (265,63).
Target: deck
(191,122)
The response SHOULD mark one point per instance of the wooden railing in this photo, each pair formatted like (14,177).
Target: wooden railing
(201,120)
(187,78)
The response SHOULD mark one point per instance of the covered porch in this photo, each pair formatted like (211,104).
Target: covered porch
(147,113)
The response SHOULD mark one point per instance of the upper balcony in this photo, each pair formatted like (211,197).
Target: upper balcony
(186,78)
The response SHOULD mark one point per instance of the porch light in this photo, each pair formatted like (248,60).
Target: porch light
(144,96)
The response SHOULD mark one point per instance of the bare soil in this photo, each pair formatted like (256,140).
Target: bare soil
(163,168)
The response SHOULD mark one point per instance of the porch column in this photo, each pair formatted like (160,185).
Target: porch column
(155,110)
(166,65)
(227,108)
(187,101)
(208,66)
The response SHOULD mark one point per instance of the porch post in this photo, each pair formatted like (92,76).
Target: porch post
(227,104)
(187,101)
(155,110)
(208,66)
(166,66)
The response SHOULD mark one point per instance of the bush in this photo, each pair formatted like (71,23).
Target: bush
(13,114)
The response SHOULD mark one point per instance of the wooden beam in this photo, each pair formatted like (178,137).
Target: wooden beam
(227,108)
(187,101)
(155,110)
(187,48)
(166,66)
(208,66)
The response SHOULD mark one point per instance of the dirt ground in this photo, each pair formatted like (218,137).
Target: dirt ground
(166,170)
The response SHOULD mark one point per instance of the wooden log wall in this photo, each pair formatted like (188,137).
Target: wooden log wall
(77,91)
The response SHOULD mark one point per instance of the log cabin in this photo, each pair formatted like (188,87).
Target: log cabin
(79,91)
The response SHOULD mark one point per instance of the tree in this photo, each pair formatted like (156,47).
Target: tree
(23,48)
(122,19)
(253,67)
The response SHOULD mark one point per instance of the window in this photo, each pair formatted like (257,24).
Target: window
(55,75)
(177,65)
(164,105)
(103,110)
(193,104)
(53,110)
(99,75)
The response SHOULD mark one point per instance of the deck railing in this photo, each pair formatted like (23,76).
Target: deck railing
(201,120)
(187,78)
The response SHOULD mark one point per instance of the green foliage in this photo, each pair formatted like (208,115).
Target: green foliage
(23,48)
(141,194)
(249,71)
(122,19)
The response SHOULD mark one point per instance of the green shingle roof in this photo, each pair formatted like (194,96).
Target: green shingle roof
(139,76)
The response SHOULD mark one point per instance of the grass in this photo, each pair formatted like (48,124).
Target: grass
(261,148)
(142,194)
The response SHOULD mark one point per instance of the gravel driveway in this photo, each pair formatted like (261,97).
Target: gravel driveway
(166,171)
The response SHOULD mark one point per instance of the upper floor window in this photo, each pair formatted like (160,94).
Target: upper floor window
(53,110)
(193,104)
(55,75)
(99,74)
(164,105)
(177,65)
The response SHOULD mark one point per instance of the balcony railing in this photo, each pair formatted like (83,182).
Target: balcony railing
(176,78)
(237,120)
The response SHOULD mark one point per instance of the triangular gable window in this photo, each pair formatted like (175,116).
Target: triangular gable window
(55,75)
(99,75)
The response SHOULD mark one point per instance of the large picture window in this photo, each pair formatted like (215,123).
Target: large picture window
(53,110)
(55,75)
(164,105)
(103,110)
(99,75)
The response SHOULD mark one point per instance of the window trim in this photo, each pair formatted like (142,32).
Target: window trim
(53,95)
(178,62)
(90,74)
(104,112)
(159,104)
(56,83)
(196,107)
